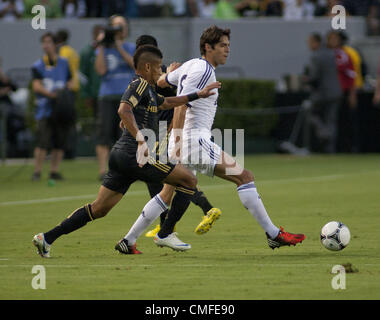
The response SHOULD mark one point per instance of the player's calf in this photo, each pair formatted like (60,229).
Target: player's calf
(181,202)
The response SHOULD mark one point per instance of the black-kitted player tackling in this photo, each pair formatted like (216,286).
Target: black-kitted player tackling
(129,156)
(199,197)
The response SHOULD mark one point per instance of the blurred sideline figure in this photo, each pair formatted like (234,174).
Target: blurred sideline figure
(72,57)
(356,58)
(376,97)
(68,52)
(50,75)
(89,79)
(8,134)
(114,63)
(348,122)
(325,93)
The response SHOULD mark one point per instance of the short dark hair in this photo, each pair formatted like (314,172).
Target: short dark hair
(146,39)
(335,33)
(62,35)
(146,51)
(212,36)
(48,35)
(316,36)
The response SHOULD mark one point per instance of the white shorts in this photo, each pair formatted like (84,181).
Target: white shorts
(198,153)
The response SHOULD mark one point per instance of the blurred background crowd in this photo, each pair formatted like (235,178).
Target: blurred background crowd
(11,10)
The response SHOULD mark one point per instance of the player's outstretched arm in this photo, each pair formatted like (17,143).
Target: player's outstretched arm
(162,83)
(171,102)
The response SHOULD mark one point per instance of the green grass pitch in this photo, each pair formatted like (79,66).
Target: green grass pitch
(232,261)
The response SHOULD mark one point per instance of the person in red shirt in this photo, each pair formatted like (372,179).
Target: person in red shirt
(348,137)
(346,71)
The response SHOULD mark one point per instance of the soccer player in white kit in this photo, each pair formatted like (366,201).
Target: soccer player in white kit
(198,151)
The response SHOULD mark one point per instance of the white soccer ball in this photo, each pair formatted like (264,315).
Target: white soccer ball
(335,236)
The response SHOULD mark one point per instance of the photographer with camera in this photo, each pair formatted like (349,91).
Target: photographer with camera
(114,63)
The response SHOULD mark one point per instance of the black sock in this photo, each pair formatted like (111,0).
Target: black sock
(181,202)
(76,220)
(200,200)
(163,217)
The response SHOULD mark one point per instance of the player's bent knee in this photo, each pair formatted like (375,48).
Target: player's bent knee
(99,211)
(193,181)
(246,177)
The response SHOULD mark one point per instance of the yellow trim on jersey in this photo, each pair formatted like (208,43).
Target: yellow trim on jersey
(142,86)
(143,89)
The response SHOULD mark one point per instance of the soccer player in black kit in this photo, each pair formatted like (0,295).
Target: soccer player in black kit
(199,198)
(130,160)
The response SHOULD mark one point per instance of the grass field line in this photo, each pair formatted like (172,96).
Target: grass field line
(205,187)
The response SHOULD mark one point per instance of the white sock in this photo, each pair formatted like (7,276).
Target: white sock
(151,211)
(252,201)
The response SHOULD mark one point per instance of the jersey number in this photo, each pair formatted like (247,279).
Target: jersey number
(180,83)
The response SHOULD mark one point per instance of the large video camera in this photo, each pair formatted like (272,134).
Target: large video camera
(109,35)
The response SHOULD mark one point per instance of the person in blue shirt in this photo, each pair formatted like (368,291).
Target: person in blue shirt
(49,74)
(114,63)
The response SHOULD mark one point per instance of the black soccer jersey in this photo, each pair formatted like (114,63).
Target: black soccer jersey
(145,101)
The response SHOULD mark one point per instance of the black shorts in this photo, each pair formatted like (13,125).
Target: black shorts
(51,135)
(123,171)
(108,130)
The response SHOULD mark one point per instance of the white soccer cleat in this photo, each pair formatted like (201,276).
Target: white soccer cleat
(42,246)
(172,241)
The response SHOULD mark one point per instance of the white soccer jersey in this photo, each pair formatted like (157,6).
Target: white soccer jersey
(198,152)
(193,76)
